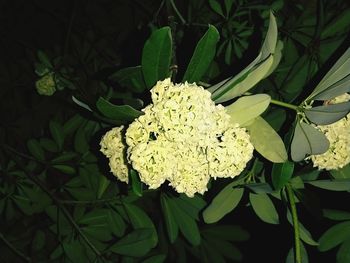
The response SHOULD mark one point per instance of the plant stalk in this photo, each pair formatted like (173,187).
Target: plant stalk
(285,104)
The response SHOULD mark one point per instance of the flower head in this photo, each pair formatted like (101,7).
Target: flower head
(46,85)
(338,135)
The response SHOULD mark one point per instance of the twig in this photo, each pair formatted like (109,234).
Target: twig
(15,250)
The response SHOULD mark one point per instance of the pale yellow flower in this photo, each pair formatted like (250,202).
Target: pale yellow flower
(46,85)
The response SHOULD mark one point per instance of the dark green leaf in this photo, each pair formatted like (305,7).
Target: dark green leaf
(334,236)
(343,173)
(57,134)
(156,56)
(223,203)
(72,124)
(64,157)
(281,174)
(44,59)
(117,112)
(264,208)
(136,184)
(75,251)
(48,145)
(170,222)
(215,5)
(336,214)
(116,223)
(80,141)
(64,168)
(36,150)
(333,185)
(343,255)
(103,184)
(307,140)
(191,205)
(202,56)
(328,114)
(155,259)
(136,244)
(130,78)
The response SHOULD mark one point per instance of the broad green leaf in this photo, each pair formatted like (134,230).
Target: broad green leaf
(223,203)
(262,188)
(304,256)
(57,134)
(116,223)
(335,82)
(266,141)
(155,259)
(130,78)
(264,208)
(338,25)
(187,224)
(35,149)
(304,233)
(253,73)
(64,157)
(248,108)
(215,5)
(307,140)
(333,185)
(72,124)
(341,173)
(336,214)
(64,168)
(202,56)
(75,250)
(191,205)
(281,174)
(117,112)
(156,56)
(136,184)
(170,222)
(139,219)
(327,114)
(136,244)
(95,217)
(48,145)
(343,254)
(334,236)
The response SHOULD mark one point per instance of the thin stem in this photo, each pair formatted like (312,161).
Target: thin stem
(285,104)
(297,252)
(88,202)
(183,21)
(15,250)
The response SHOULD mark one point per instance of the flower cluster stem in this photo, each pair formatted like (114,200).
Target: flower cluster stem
(285,104)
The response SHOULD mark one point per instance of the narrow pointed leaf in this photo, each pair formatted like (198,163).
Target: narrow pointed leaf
(57,134)
(156,56)
(337,215)
(328,114)
(248,108)
(202,56)
(266,141)
(343,254)
(35,149)
(170,222)
(264,208)
(334,236)
(307,140)
(281,174)
(136,184)
(333,185)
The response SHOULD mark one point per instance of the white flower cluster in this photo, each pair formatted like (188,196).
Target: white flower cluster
(112,147)
(338,134)
(184,138)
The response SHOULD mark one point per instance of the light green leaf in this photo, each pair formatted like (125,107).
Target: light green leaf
(336,214)
(264,208)
(266,141)
(333,185)
(335,82)
(281,174)
(307,140)
(247,108)
(117,112)
(170,222)
(57,134)
(223,203)
(253,73)
(343,255)
(202,56)
(277,56)
(136,244)
(81,104)
(334,236)
(36,150)
(341,173)
(327,114)
(156,56)
(130,78)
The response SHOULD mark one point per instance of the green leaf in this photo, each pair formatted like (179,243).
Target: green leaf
(336,214)
(74,251)
(72,124)
(304,256)
(170,222)
(307,140)
(191,205)
(116,223)
(226,232)
(80,141)
(36,150)
(156,56)
(155,259)
(341,173)
(338,25)
(253,73)
(281,174)
(334,236)
(327,114)
(215,5)
(81,104)
(103,184)
(57,134)
(136,184)
(343,255)
(335,82)
(187,225)
(266,141)
(130,78)
(223,203)
(202,56)
(66,169)
(248,108)
(136,244)
(48,145)
(117,112)
(264,208)
(64,157)
(43,58)
(333,185)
